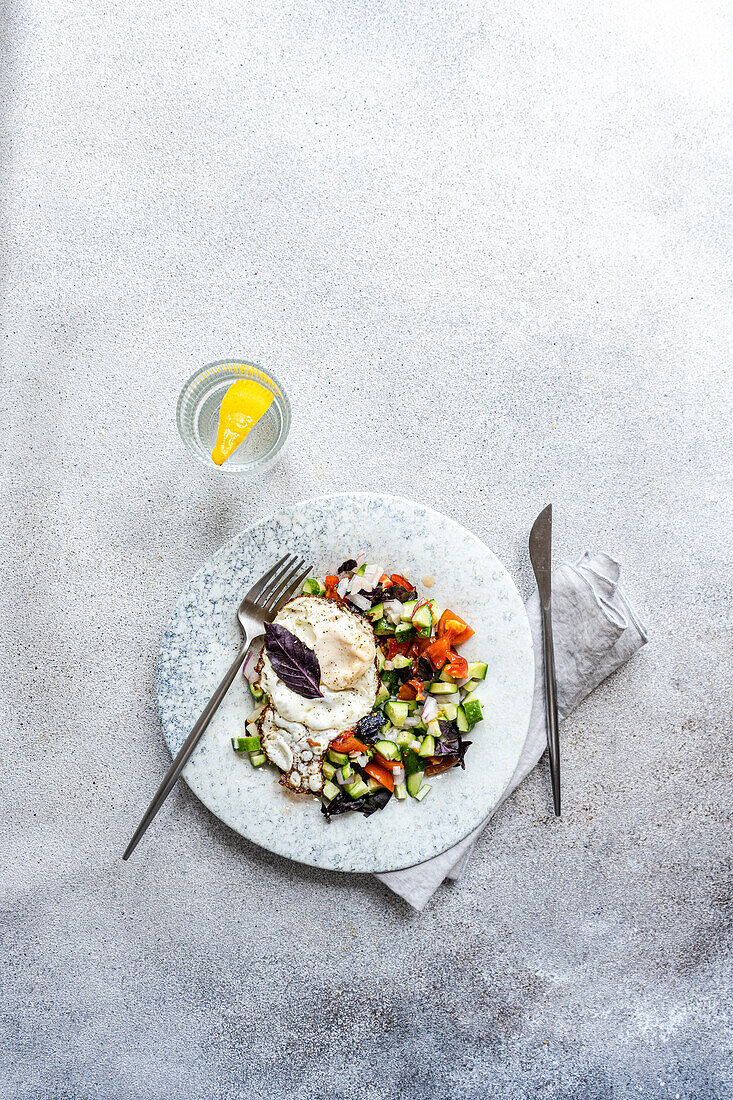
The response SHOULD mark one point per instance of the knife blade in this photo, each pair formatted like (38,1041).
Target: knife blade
(540,554)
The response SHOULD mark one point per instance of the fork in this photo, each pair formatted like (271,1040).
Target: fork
(259,606)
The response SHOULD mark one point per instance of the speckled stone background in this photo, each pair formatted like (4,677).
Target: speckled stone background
(486,247)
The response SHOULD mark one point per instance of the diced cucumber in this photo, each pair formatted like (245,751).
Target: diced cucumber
(361,570)
(346,772)
(435,611)
(382,695)
(428,746)
(330,791)
(328,770)
(246,744)
(414,782)
(446,677)
(440,687)
(396,712)
(434,729)
(461,721)
(448,711)
(402,738)
(401,662)
(313,587)
(470,686)
(423,791)
(422,620)
(387,749)
(256,692)
(373,785)
(375,612)
(407,610)
(400,791)
(477,670)
(381,659)
(357,789)
(473,710)
(413,706)
(383,627)
(337,758)
(403,632)
(257,759)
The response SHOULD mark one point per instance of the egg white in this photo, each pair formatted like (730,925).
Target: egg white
(295,732)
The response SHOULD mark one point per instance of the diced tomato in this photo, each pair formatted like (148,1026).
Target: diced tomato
(458,667)
(397,578)
(380,774)
(346,742)
(390,765)
(385,579)
(413,650)
(455,627)
(412,689)
(438,652)
(331,581)
(395,648)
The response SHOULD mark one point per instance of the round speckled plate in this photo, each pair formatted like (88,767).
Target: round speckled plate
(203,636)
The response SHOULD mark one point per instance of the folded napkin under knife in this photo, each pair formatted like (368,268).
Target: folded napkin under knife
(595,630)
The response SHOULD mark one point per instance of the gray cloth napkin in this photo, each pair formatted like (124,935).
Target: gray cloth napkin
(595,631)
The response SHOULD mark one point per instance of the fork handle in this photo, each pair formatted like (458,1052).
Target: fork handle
(187,748)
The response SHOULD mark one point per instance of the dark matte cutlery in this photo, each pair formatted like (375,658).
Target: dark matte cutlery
(259,606)
(540,554)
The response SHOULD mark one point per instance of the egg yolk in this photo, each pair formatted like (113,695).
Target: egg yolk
(244,404)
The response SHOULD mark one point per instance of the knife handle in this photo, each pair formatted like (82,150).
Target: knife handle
(553,730)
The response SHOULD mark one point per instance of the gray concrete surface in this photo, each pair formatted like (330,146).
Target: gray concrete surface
(487,248)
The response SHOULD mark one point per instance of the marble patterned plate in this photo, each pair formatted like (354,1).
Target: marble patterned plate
(203,636)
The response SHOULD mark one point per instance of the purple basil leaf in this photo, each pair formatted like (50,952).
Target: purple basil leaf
(295,664)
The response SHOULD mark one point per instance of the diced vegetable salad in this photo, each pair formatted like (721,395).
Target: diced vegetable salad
(426,701)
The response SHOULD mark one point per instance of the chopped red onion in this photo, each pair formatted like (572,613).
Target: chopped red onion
(250,665)
(429,710)
(356,583)
(372,573)
(342,587)
(398,775)
(454,698)
(360,601)
(412,720)
(362,759)
(360,560)
(393,611)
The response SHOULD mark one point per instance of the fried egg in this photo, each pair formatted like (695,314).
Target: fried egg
(295,732)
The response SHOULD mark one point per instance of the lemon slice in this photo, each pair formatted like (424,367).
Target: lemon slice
(244,404)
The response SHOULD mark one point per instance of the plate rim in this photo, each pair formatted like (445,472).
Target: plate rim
(270,516)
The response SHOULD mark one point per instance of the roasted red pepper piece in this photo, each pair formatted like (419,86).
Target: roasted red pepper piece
(346,742)
(390,765)
(376,771)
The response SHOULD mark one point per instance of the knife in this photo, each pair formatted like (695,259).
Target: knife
(540,554)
